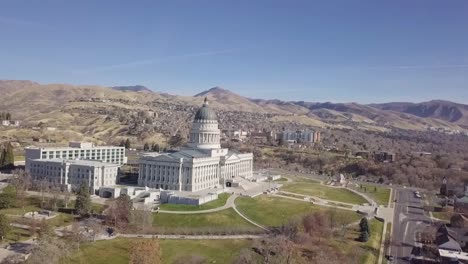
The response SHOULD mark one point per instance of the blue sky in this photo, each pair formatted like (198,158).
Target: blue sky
(340,51)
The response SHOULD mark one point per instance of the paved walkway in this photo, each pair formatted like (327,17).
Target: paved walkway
(191,236)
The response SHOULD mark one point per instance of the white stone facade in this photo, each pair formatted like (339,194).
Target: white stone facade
(71,174)
(201,165)
(77,150)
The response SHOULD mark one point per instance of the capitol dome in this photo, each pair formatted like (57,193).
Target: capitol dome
(205,113)
(205,133)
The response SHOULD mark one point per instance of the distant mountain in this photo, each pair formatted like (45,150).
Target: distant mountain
(444,110)
(134,88)
(223,98)
(34,102)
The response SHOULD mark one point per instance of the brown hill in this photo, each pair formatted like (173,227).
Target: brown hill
(103,112)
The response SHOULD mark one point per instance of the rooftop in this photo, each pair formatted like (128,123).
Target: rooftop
(95,163)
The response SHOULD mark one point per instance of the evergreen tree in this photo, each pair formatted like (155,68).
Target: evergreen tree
(127,144)
(5,227)
(9,157)
(7,197)
(156,147)
(122,143)
(364,225)
(146,147)
(364,237)
(83,201)
(8,116)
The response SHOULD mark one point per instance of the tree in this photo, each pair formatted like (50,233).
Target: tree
(122,143)
(156,147)
(142,220)
(83,201)
(7,158)
(51,250)
(128,144)
(5,227)
(145,251)
(364,225)
(176,141)
(95,227)
(45,229)
(119,213)
(21,181)
(8,197)
(364,236)
(146,147)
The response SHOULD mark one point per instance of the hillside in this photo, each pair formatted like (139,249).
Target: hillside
(438,109)
(110,113)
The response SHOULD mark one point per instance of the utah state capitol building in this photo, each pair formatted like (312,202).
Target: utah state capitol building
(200,165)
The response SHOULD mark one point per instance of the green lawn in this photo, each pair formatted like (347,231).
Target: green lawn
(444,216)
(379,194)
(225,219)
(274,211)
(324,192)
(16,234)
(372,246)
(116,251)
(31,203)
(222,198)
(282,179)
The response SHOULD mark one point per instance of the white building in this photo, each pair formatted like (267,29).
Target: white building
(77,150)
(71,174)
(304,136)
(200,165)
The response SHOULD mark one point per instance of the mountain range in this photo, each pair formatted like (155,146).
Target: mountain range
(32,101)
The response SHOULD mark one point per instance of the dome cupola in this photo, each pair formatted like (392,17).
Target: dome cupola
(205,133)
(205,113)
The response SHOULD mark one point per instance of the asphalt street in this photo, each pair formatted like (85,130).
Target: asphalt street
(409,220)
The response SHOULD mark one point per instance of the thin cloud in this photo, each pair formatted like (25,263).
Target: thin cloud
(428,66)
(151,62)
(433,66)
(9,21)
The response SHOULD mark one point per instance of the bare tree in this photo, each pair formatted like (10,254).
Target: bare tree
(22,182)
(142,220)
(94,227)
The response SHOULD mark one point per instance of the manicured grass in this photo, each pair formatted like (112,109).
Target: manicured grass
(324,192)
(223,219)
(61,220)
(222,198)
(31,203)
(116,251)
(16,234)
(379,194)
(275,211)
(444,216)
(282,179)
(372,246)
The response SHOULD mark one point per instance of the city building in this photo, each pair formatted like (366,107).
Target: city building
(71,174)
(262,137)
(301,136)
(77,150)
(201,164)
(239,135)
(385,156)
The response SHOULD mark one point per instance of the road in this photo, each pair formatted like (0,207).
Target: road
(409,220)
